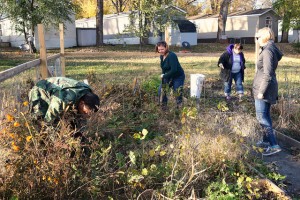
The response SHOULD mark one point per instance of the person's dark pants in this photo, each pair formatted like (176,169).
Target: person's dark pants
(177,85)
(263,116)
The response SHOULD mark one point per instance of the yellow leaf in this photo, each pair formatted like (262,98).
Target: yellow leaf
(44,177)
(28,138)
(16,124)
(260,150)
(145,172)
(153,167)
(183,120)
(9,118)
(25,103)
(136,136)
(15,147)
(144,132)
(162,153)
(171,146)
(151,153)
(248,179)
(230,118)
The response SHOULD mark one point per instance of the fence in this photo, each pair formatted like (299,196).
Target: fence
(15,82)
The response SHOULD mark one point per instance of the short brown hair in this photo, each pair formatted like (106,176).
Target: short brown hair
(162,43)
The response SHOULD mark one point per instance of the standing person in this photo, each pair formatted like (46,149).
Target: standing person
(172,73)
(265,87)
(232,64)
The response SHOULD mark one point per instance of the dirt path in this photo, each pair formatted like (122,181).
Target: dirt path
(287,164)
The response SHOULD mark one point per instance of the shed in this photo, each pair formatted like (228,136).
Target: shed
(184,32)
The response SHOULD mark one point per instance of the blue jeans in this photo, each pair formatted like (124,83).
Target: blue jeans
(263,116)
(237,77)
(177,85)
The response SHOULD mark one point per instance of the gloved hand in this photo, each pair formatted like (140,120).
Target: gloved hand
(162,76)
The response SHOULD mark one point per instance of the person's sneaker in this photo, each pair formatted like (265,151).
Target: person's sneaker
(263,144)
(271,150)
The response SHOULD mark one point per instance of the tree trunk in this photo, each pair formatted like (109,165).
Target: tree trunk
(222,19)
(286,21)
(284,37)
(99,23)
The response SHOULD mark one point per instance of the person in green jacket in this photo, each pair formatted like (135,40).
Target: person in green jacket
(50,98)
(172,74)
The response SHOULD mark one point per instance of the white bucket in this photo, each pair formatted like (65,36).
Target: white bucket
(197,81)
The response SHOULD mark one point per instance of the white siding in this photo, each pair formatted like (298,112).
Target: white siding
(243,26)
(51,35)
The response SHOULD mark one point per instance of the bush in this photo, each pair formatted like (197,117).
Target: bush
(136,151)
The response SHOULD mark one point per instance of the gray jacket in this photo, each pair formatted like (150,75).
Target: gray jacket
(265,81)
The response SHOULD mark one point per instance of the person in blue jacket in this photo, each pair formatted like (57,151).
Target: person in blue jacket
(232,64)
(172,73)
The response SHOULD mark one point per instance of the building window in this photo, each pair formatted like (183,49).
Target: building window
(269,22)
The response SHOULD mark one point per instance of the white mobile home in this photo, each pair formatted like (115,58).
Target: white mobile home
(240,25)
(8,34)
(114,31)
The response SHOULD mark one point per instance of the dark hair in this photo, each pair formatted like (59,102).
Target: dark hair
(162,43)
(91,100)
(238,46)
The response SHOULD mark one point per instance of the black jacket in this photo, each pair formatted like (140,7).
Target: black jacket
(227,60)
(265,81)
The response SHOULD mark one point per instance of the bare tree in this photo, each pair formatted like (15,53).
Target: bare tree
(120,5)
(222,18)
(99,23)
(214,5)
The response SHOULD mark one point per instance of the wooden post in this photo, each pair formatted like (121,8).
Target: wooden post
(43,54)
(62,49)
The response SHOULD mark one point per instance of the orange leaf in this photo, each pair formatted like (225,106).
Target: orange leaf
(16,124)
(28,138)
(15,147)
(10,117)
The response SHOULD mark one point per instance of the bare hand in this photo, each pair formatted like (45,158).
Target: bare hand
(260,96)
(221,65)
